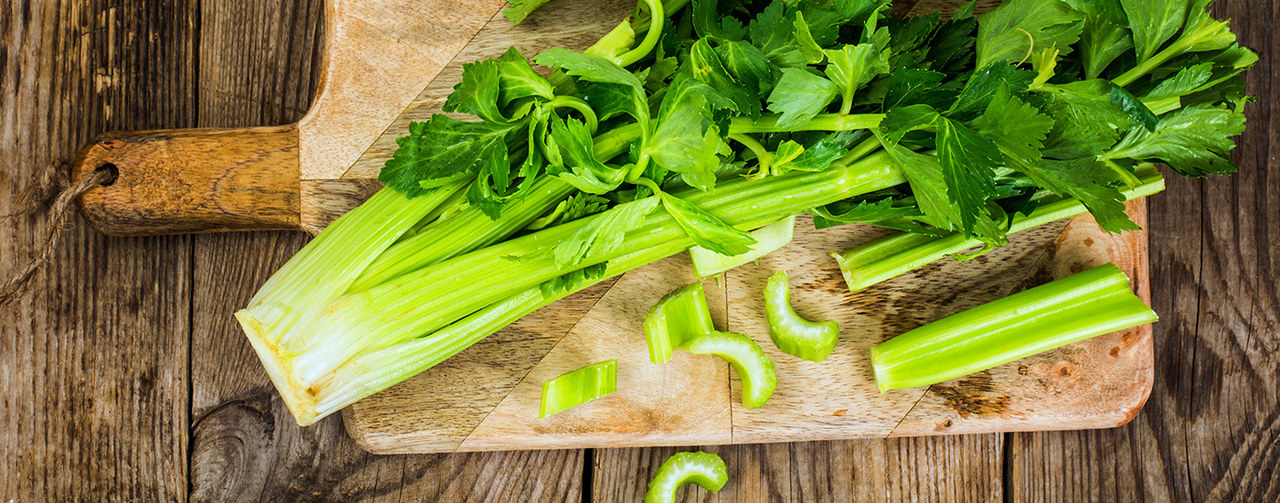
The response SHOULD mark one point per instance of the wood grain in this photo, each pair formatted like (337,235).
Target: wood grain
(544,29)
(193,180)
(947,469)
(93,360)
(378,56)
(244,446)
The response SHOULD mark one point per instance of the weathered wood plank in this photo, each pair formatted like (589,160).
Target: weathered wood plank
(957,468)
(93,379)
(259,66)
(1211,428)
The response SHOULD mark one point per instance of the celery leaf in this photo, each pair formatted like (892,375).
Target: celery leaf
(799,96)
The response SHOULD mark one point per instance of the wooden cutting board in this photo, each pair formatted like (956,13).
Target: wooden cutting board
(393,61)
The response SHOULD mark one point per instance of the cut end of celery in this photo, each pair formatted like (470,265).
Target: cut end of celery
(301,402)
(877,370)
(846,270)
(768,240)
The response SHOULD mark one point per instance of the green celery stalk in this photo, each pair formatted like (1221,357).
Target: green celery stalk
(577,387)
(796,336)
(754,368)
(702,468)
(375,371)
(432,297)
(677,317)
(899,253)
(471,229)
(768,240)
(1084,305)
(342,251)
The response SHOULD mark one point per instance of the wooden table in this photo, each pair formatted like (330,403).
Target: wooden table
(123,376)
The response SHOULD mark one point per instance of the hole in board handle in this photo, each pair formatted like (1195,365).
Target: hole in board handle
(111,170)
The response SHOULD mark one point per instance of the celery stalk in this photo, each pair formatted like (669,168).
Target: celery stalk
(329,355)
(577,387)
(375,371)
(295,293)
(677,317)
(900,253)
(470,228)
(1084,305)
(434,296)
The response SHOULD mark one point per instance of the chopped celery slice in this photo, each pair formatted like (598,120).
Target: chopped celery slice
(768,239)
(754,368)
(900,253)
(792,334)
(577,387)
(1080,306)
(702,468)
(679,316)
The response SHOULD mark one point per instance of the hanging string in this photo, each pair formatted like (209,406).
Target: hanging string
(51,184)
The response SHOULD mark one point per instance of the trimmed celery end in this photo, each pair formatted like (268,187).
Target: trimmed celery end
(679,316)
(791,333)
(754,368)
(702,468)
(276,317)
(375,371)
(577,387)
(1080,306)
(768,240)
(900,253)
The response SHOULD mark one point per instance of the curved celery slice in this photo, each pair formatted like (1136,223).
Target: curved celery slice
(768,239)
(900,253)
(702,468)
(577,387)
(792,334)
(754,368)
(679,316)
(1084,305)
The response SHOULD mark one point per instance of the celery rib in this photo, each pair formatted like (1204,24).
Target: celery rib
(900,253)
(431,297)
(1084,305)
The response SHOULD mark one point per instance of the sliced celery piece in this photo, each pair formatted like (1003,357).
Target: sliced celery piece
(702,468)
(754,368)
(900,253)
(768,239)
(1080,306)
(792,334)
(577,387)
(679,316)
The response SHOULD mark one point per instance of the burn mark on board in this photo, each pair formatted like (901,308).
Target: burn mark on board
(974,395)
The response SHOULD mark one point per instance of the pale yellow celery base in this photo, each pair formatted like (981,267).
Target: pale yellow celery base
(300,401)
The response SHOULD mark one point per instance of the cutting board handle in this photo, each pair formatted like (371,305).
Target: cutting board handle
(193,180)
